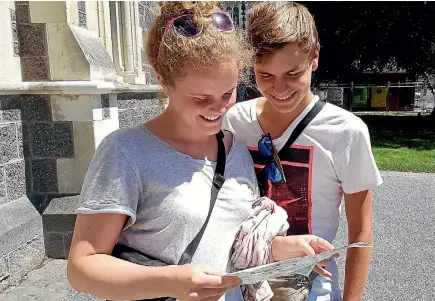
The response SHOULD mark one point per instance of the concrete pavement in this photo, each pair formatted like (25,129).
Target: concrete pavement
(403,261)
(47,283)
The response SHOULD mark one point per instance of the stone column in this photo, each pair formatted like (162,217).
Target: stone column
(127,30)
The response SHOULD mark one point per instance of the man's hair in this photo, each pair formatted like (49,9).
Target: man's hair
(174,55)
(274,24)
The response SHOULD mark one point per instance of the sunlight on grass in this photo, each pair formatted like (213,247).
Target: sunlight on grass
(402,143)
(405,159)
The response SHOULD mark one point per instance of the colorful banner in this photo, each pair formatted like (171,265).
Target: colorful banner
(379,97)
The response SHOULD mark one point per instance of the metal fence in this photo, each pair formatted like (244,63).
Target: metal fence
(411,97)
(424,100)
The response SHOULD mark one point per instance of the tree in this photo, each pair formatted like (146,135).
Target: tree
(359,36)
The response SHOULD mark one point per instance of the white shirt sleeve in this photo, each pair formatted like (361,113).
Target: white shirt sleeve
(353,158)
(226,124)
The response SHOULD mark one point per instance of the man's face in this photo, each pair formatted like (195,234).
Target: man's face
(284,77)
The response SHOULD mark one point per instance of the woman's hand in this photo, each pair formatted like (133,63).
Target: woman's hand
(196,282)
(285,247)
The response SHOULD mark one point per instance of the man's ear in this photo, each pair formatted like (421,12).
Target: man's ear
(315,61)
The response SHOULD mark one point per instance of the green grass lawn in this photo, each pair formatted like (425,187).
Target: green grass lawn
(405,159)
(404,153)
(402,143)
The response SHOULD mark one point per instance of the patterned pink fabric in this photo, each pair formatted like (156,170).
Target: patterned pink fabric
(252,246)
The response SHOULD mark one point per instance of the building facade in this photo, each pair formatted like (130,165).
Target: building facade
(71,72)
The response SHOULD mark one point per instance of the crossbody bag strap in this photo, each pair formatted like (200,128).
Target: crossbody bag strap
(302,125)
(218,181)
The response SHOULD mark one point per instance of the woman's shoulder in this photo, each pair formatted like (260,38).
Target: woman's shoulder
(127,135)
(234,144)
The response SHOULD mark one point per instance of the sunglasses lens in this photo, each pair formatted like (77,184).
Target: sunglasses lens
(186,27)
(265,146)
(273,173)
(222,21)
(264,151)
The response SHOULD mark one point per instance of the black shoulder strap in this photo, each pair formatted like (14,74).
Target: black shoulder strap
(302,125)
(218,181)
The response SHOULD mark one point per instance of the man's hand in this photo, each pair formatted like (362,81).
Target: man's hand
(285,247)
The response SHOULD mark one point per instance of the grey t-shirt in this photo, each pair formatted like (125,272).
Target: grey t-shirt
(166,196)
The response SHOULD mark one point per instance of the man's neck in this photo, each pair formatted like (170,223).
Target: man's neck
(276,123)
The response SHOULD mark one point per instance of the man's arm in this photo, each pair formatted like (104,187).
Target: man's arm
(359,216)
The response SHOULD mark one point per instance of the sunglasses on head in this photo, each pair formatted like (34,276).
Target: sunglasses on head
(274,170)
(186,26)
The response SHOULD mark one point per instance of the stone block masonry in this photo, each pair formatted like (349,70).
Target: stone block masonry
(47,141)
(46,144)
(60,95)
(30,144)
(12,164)
(135,108)
(21,240)
(58,224)
(59,218)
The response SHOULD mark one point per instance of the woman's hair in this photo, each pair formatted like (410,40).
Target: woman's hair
(173,56)
(274,24)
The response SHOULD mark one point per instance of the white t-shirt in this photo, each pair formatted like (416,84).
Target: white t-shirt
(331,156)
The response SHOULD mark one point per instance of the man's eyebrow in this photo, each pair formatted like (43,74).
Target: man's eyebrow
(299,67)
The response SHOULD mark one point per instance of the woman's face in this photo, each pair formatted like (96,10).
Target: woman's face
(203,98)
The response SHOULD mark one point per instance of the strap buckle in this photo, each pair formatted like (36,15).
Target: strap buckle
(218,181)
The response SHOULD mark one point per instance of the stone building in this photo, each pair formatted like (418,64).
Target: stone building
(71,72)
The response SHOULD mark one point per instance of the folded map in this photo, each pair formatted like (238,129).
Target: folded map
(299,265)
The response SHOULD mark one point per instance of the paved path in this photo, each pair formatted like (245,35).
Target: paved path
(47,283)
(403,261)
(403,257)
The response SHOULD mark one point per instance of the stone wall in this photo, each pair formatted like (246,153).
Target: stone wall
(59,218)
(135,108)
(46,144)
(21,240)
(37,140)
(12,170)
(71,72)
(32,44)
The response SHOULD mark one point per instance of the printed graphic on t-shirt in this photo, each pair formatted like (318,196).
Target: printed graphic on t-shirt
(295,194)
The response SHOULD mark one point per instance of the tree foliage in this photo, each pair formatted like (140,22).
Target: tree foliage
(359,36)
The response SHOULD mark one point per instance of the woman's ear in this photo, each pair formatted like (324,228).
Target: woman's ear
(161,81)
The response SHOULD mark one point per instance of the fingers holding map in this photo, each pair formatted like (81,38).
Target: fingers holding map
(300,265)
